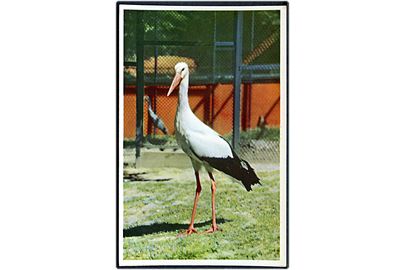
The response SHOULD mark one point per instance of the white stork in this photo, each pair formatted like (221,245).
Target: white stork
(205,147)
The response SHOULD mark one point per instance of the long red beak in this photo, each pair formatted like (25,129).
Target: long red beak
(176,81)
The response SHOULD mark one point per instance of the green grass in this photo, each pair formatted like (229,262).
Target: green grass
(156,211)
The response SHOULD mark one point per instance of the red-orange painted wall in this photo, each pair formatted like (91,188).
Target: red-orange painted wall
(263,100)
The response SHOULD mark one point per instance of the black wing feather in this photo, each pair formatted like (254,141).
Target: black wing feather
(234,166)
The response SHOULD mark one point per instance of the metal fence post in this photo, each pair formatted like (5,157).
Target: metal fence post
(237,79)
(140,91)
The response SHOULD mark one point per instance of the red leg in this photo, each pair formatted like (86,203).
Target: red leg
(214,226)
(191,228)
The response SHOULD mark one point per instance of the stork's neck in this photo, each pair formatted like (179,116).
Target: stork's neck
(149,105)
(183,95)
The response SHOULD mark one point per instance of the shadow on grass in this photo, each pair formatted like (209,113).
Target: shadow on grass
(129,179)
(165,227)
(137,177)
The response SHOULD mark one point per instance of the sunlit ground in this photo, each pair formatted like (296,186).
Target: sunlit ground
(158,204)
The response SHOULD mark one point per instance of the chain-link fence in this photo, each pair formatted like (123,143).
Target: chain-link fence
(210,42)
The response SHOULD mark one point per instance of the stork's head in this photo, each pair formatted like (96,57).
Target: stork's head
(181,69)
(147,98)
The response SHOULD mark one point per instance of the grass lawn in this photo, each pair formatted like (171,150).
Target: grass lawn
(157,208)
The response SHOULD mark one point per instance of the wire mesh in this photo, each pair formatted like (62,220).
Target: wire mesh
(205,41)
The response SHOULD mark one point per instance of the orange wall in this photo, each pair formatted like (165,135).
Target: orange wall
(263,100)
(266,102)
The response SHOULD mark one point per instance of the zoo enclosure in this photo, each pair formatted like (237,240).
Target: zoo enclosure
(225,51)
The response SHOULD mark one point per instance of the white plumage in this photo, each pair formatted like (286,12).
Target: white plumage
(194,135)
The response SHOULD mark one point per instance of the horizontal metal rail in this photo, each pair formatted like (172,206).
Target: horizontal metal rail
(224,43)
(260,67)
(165,80)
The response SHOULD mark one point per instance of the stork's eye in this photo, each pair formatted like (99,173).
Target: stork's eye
(182,69)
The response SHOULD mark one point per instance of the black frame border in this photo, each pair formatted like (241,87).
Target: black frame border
(179,3)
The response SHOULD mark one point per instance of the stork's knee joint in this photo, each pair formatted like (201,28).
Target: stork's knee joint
(213,187)
(198,189)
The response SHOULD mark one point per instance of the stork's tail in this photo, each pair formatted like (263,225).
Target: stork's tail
(247,175)
(237,168)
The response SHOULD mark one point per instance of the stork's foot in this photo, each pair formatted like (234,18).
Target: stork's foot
(191,231)
(213,229)
(187,232)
